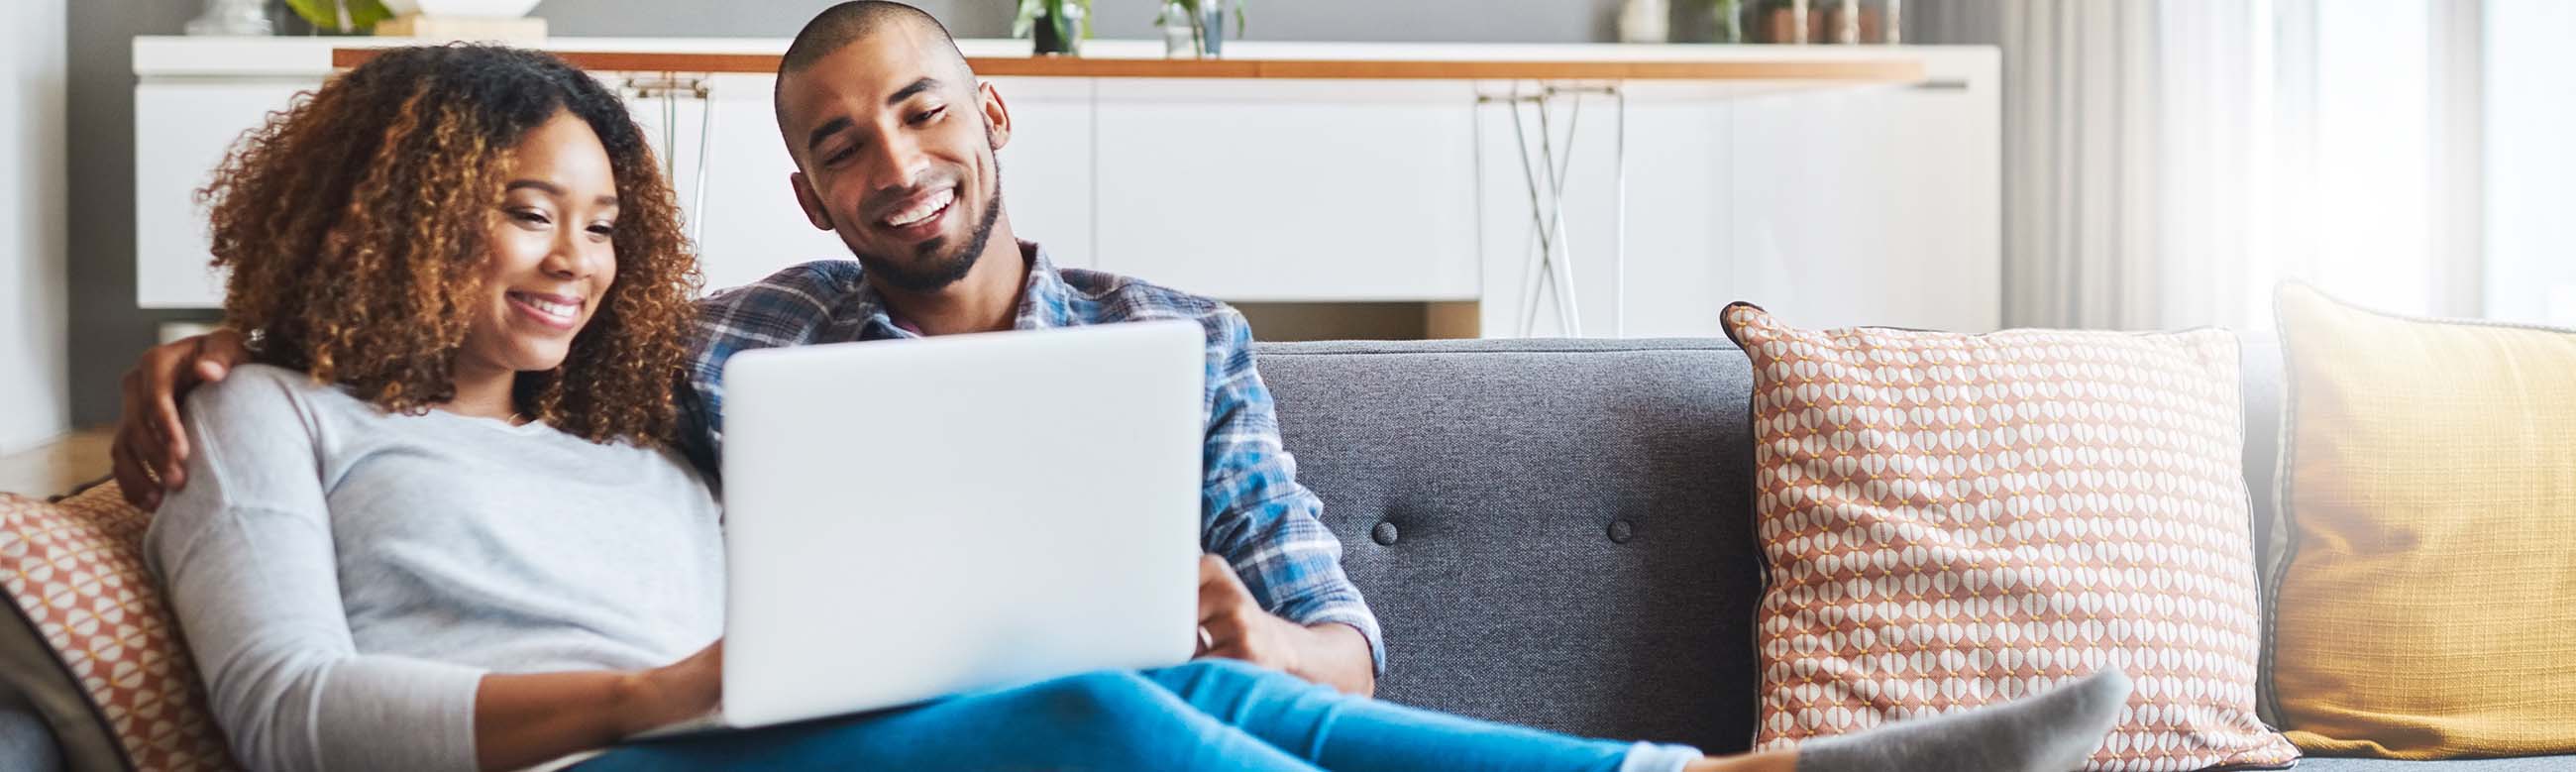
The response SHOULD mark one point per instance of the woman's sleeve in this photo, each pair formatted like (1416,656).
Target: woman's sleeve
(245,552)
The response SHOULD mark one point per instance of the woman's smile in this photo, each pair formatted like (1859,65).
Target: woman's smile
(559,312)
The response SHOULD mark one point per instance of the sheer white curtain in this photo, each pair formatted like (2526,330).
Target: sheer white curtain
(2529,98)
(2167,161)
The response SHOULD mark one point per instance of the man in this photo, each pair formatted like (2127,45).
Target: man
(895,143)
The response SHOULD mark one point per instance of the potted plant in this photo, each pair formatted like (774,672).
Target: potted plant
(1061,25)
(1204,22)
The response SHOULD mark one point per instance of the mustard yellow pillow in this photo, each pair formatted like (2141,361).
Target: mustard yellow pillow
(2426,600)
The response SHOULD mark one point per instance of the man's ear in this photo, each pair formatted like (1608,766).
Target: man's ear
(997,116)
(811,201)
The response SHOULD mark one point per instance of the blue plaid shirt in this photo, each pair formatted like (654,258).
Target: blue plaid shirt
(1254,512)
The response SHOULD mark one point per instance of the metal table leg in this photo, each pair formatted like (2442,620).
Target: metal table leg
(1545,170)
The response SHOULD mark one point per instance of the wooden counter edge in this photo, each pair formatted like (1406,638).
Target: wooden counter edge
(1875,70)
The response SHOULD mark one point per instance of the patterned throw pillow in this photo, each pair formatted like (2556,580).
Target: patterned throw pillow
(93,645)
(1955,520)
(2427,606)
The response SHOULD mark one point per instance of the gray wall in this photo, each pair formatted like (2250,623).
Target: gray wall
(107,329)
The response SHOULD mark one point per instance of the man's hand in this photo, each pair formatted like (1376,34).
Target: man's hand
(151,446)
(1235,627)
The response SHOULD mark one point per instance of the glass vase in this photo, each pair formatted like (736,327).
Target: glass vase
(1059,30)
(1729,16)
(1209,23)
(1180,31)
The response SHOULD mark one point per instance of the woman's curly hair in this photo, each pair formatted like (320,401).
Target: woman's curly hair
(355,225)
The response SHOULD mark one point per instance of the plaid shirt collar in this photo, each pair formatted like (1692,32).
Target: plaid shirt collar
(1045,301)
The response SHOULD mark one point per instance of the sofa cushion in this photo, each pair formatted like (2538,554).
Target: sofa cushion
(89,642)
(1955,520)
(2428,593)
(1550,531)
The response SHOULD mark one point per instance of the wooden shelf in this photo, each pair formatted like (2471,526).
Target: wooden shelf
(1873,69)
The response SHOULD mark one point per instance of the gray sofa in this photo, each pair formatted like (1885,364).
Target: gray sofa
(1558,533)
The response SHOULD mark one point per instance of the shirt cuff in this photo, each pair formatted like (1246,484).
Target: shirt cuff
(394,712)
(1358,617)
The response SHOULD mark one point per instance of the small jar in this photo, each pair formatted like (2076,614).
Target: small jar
(1180,39)
(1791,21)
(1864,21)
(1645,21)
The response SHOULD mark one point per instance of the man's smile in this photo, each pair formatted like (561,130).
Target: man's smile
(919,217)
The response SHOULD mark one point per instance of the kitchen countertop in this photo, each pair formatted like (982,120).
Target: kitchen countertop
(306,57)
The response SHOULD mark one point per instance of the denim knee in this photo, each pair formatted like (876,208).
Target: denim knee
(1224,675)
(1233,691)
(1127,721)
(1108,697)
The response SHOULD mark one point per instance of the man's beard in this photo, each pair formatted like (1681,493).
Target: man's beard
(933,272)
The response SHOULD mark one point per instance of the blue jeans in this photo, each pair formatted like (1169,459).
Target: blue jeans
(1205,715)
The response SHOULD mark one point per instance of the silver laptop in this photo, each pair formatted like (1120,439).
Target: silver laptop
(906,520)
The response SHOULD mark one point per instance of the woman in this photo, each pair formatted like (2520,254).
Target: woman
(437,526)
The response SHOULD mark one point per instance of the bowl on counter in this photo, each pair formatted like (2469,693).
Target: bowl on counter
(485,8)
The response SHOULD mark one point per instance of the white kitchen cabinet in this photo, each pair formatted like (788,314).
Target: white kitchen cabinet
(1289,190)
(182,130)
(1869,205)
(1047,168)
(1680,271)
(1877,206)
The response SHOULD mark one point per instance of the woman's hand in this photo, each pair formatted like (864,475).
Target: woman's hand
(676,692)
(528,718)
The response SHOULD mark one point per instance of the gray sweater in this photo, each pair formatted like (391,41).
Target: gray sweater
(345,576)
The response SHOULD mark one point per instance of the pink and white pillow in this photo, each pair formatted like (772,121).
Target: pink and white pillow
(92,644)
(1955,520)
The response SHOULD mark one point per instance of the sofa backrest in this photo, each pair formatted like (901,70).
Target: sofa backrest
(1559,533)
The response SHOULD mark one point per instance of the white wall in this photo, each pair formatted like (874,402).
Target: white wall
(35,402)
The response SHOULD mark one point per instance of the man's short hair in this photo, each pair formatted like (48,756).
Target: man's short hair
(840,25)
(845,23)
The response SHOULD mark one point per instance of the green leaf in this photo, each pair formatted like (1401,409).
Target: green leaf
(1030,10)
(1193,9)
(1028,17)
(325,14)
